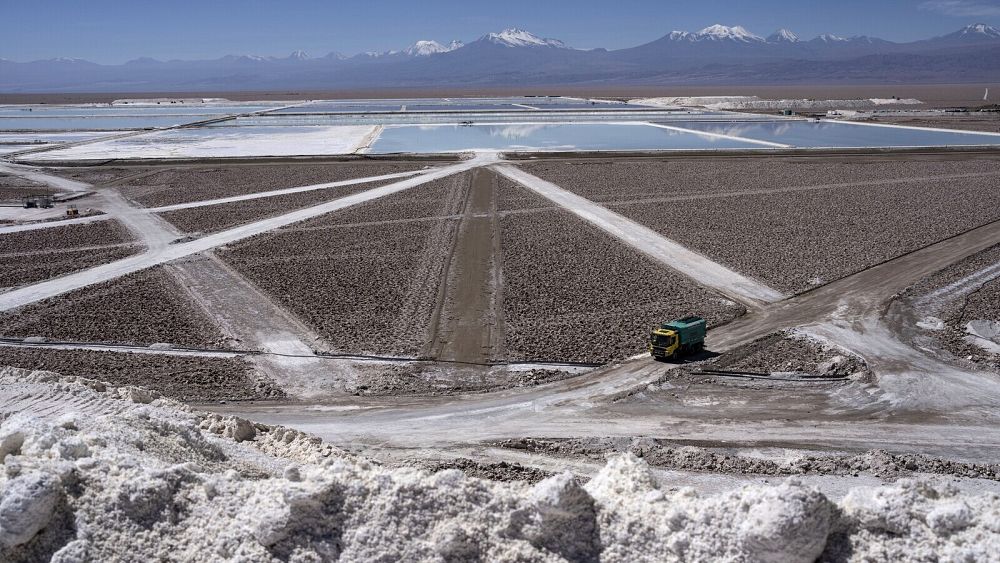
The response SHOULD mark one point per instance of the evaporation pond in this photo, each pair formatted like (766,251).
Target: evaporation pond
(96,123)
(831,134)
(127,110)
(544,137)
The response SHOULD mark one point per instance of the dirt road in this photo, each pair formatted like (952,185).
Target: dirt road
(468,327)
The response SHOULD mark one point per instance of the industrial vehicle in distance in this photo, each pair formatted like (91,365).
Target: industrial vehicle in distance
(677,338)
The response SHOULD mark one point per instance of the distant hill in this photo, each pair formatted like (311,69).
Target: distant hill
(717,54)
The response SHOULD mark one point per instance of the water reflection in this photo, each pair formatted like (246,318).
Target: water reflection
(832,134)
(544,137)
(517,131)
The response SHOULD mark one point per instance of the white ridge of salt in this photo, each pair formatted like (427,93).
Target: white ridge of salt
(156,480)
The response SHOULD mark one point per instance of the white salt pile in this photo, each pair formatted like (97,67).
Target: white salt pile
(133,476)
(756,103)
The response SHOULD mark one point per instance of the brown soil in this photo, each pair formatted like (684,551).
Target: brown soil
(215,218)
(143,308)
(102,175)
(572,293)
(17,269)
(500,471)
(67,237)
(14,194)
(794,223)
(782,352)
(420,378)
(9,180)
(512,198)
(371,287)
(982,303)
(184,184)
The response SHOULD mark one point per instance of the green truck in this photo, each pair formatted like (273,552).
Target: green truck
(677,338)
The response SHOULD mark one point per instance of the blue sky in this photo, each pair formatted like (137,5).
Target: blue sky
(115,31)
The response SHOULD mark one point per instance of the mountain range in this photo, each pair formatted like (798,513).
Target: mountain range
(717,54)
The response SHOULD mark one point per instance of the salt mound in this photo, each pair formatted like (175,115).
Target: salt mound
(756,103)
(141,477)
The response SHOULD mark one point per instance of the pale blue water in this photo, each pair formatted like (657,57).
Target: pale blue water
(830,134)
(127,111)
(96,123)
(557,137)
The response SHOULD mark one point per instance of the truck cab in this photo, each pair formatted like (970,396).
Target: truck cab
(677,338)
(663,343)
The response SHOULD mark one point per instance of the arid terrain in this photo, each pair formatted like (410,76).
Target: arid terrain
(307,352)
(935,95)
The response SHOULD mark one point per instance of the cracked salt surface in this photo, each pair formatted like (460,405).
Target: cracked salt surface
(123,474)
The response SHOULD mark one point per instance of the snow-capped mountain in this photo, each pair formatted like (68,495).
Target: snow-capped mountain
(782,36)
(246,58)
(374,54)
(68,60)
(717,54)
(980,30)
(514,37)
(719,32)
(830,38)
(431,47)
(722,34)
(974,32)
